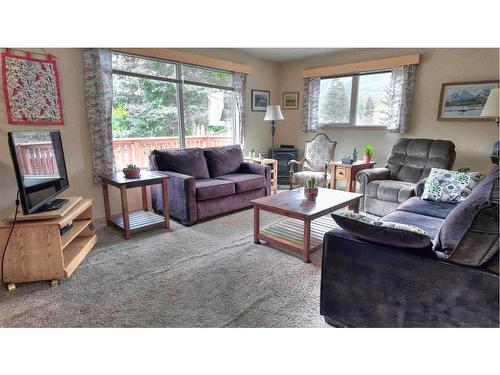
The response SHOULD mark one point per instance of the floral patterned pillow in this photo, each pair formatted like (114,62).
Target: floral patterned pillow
(386,224)
(450,186)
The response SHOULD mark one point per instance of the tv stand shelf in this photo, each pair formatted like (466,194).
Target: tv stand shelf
(38,251)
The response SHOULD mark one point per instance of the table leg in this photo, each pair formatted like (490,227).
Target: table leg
(256,224)
(355,206)
(126,223)
(333,180)
(166,213)
(107,210)
(348,180)
(307,240)
(144,198)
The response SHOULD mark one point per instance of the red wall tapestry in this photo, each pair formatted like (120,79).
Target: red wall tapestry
(31,90)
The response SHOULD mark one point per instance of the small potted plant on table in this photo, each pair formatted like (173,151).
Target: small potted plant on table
(368,150)
(131,171)
(311,189)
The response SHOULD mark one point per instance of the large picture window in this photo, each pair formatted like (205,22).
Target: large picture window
(357,100)
(159,105)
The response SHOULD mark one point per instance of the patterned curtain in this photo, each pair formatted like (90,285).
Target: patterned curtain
(400,98)
(98,77)
(311,104)
(239,84)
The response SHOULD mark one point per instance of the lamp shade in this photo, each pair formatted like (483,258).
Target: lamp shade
(273,113)
(491,107)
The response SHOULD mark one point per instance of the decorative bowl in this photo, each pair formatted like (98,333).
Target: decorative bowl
(131,172)
(347,160)
(310,194)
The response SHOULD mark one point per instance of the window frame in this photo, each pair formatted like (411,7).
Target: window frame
(354,103)
(179,82)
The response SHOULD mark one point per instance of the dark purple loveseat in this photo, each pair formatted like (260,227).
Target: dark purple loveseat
(206,182)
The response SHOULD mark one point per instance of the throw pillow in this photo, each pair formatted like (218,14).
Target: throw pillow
(449,186)
(469,234)
(223,160)
(189,161)
(384,233)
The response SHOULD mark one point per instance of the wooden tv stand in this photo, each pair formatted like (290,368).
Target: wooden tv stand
(38,251)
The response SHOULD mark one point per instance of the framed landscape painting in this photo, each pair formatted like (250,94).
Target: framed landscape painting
(464,100)
(290,100)
(260,100)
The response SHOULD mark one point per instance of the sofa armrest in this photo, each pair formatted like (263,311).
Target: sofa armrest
(181,194)
(419,187)
(368,175)
(364,284)
(263,170)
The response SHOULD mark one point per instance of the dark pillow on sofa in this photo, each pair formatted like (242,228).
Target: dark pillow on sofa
(223,160)
(190,161)
(469,234)
(384,233)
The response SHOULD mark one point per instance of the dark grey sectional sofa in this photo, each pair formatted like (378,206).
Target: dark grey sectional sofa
(453,283)
(208,182)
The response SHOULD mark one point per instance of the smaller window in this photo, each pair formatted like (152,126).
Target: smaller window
(358,100)
(208,76)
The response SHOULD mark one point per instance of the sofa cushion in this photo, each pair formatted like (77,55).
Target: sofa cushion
(223,160)
(469,235)
(210,188)
(245,181)
(382,232)
(450,186)
(189,161)
(429,224)
(427,208)
(390,190)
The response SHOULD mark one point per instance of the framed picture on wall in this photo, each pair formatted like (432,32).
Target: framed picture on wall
(260,100)
(464,100)
(290,100)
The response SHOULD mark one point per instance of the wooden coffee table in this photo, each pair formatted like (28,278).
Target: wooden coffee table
(298,233)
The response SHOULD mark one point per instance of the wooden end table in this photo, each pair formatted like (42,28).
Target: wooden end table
(273,163)
(347,172)
(298,233)
(135,221)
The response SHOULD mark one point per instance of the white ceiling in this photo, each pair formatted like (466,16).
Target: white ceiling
(287,54)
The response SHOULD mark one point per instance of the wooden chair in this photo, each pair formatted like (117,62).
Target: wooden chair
(318,154)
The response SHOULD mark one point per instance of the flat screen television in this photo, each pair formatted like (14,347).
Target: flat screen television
(38,159)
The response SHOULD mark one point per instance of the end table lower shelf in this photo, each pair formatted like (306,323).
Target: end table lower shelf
(139,221)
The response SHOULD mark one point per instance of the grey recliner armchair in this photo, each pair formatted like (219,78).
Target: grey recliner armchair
(405,171)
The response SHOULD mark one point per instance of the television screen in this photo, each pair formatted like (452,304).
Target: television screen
(40,168)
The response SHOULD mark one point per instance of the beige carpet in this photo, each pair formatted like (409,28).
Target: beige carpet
(207,275)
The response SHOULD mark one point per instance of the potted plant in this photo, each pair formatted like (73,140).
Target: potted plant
(131,171)
(368,150)
(311,189)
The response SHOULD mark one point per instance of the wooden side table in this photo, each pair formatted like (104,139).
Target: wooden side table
(347,172)
(274,170)
(141,220)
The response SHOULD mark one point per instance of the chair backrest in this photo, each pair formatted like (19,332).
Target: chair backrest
(412,159)
(318,151)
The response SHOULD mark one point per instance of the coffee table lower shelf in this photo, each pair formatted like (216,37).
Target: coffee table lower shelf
(289,233)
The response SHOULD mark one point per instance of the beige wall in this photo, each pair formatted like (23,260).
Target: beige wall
(473,139)
(76,138)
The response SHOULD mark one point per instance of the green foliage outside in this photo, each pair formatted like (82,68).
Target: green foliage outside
(148,108)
